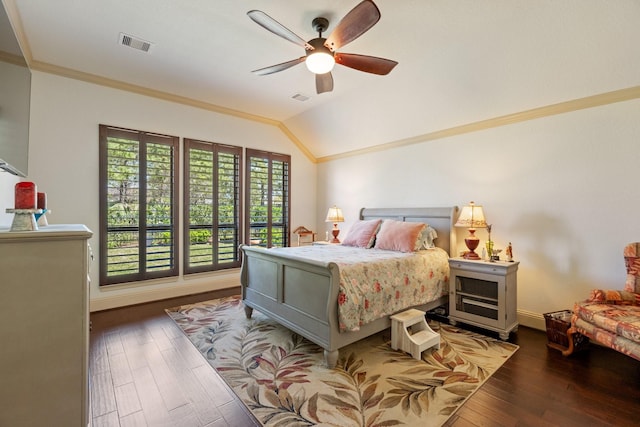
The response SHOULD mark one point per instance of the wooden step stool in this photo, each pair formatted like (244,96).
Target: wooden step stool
(411,333)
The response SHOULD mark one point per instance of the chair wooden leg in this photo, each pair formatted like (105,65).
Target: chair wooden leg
(569,349)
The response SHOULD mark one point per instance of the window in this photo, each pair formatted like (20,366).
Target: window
(138,209)
(212,207)
(139,205)
(267,199)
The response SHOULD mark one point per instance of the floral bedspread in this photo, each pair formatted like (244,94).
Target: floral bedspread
(375,283)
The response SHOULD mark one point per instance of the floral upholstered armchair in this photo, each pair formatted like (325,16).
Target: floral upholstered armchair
(612,317)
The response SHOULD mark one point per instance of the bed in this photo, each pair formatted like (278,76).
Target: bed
(302,294)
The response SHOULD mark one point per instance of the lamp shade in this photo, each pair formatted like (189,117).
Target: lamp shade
(334,215)
(471,216)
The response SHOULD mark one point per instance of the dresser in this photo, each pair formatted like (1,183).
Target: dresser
(44,326)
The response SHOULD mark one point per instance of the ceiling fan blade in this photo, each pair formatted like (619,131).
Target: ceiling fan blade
(278,67)
(277,28)
(368,64)
(324,83)
(353,25)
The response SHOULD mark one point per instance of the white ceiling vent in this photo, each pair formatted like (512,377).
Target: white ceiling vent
(300,97)
(134,42)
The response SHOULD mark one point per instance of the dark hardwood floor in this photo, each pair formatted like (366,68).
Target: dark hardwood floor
(144,372)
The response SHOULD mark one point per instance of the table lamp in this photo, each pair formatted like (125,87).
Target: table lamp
(334,215)
(471,217)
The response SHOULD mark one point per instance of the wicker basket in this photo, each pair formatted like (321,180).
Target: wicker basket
(557,323)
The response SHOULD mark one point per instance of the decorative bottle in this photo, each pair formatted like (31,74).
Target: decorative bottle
(489,246)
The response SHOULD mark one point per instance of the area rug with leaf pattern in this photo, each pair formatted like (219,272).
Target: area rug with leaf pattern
(281,378)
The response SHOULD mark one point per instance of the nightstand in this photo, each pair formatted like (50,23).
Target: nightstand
(484,294)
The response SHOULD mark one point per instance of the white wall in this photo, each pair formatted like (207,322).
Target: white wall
(562,189)
(65,115)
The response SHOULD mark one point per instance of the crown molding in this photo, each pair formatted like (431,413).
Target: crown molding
(141,90)
(522,116)
(612,97)
(12,59)
(293,138)
(18,30)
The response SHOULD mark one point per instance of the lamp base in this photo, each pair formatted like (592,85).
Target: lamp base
(335,233)
(472,243)
(471,255)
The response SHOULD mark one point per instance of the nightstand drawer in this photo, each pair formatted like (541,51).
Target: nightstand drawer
(498,267)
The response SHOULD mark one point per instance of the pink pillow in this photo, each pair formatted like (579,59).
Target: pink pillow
(362,234)
(399,236)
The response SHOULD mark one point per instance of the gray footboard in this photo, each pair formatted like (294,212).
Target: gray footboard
(301,295)
(296,293)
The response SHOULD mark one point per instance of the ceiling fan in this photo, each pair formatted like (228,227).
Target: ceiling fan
(321,53)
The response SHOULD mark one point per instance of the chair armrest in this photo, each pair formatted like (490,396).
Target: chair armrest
(616,297)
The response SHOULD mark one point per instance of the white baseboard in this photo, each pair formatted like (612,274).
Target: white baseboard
(141,295)
(531,319)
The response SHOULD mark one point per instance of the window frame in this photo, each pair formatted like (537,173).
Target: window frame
(216,149)
(143,138)
(270,157)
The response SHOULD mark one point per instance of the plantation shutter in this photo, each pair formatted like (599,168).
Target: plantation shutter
(267,194)
(138,215)
(212,206)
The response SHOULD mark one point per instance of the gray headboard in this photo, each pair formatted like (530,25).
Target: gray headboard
(441,219)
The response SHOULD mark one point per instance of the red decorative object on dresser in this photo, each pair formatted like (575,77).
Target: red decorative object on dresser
(42,200)
(25,195)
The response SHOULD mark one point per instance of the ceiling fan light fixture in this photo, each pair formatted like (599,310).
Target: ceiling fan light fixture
(322,53)
(320,62)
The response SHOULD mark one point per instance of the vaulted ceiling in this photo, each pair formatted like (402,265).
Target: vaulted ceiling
(460,61)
